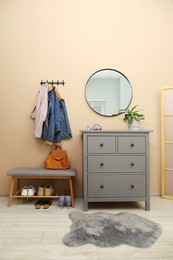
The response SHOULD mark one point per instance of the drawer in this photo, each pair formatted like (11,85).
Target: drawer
(101,144)
(119,186)
(112,163)
(131,144)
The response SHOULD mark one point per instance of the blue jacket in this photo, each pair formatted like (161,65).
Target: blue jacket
(56,127)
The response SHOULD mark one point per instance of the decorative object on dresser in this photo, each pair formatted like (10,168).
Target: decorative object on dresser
(116,166)
(109,230)
(133,117)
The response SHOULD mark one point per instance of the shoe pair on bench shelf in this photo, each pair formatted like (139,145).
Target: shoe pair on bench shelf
(45,203)
(64,201)
(45,191)
(28,191)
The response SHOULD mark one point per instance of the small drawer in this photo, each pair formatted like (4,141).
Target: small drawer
(116,186)
(101,144)
(113,163)
(131,144)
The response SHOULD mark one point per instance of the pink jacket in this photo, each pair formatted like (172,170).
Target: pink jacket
(40,111)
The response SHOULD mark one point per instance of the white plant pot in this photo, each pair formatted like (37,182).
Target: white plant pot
(134,126)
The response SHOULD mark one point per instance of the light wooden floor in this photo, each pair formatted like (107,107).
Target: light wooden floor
(27,233)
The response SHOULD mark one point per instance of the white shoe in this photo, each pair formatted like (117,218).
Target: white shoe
(24,191)
(31,190)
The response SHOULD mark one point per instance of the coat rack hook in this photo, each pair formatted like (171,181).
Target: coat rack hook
(52,82)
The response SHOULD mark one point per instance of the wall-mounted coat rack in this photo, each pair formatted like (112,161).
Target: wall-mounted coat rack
(53,82)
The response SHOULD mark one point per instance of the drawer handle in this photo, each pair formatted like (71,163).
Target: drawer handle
(132,164)
(102,164)
(102,186)
(132,145)
(101,145)
(132,186)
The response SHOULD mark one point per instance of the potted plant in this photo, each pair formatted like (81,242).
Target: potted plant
(133,117)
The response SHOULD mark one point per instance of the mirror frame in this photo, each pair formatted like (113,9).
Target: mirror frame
(121,75)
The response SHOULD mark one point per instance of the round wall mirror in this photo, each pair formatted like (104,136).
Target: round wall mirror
(108,91)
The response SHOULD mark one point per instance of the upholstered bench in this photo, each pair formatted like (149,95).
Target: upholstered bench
(40,173)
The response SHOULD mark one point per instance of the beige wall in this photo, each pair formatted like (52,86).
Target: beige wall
(69,40)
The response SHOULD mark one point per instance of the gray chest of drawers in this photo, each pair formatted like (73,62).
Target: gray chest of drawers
(116,166)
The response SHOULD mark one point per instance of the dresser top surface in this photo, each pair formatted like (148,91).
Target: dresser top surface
(115,131)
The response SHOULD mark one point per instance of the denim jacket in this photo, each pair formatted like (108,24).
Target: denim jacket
(56,127)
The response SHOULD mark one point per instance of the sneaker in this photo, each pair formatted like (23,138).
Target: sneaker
(31,190)
(61,201)
(24,191)
(68,201)
(48,191)
(40,191)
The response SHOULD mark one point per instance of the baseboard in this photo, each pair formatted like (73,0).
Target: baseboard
(80,195)
(4,195)
(155,194)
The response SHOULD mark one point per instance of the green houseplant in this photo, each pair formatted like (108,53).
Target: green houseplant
(133,117)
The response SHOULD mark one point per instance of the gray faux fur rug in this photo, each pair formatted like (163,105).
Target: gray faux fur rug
(109,230)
